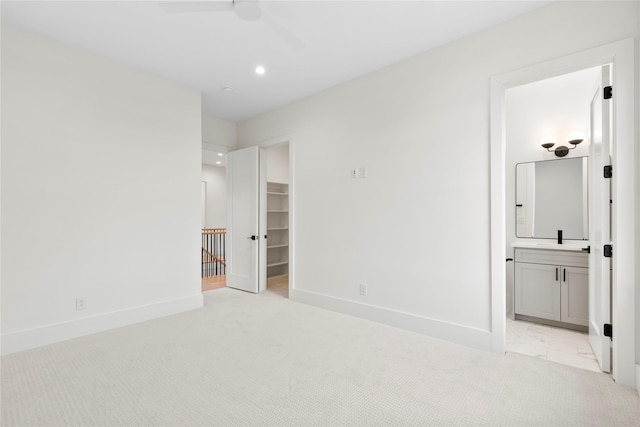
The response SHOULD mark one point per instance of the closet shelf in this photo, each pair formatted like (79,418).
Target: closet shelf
(273,264)
(277,228)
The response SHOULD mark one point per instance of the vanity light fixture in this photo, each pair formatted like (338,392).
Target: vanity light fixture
(574,138)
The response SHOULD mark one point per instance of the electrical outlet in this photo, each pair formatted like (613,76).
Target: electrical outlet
(363,289)
(81,303)
(359,172)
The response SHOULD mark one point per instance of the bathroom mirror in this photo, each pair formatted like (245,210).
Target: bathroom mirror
(552,195)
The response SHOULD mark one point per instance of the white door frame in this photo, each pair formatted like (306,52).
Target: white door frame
(621,54)
(288,139)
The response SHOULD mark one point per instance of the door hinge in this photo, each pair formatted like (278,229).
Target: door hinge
(608,330)
(608,92)
(608,171)
(608,251)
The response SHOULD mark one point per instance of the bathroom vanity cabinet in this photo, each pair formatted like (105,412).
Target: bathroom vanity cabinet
(552,286)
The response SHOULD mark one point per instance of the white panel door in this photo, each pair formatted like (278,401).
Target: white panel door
(246,242)
(600,224)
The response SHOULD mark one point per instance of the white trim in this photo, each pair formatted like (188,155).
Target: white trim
(498,224)
(215,147)
(446,331)
(279,140)
(262,219)
(621,54)
(292,214)
(49,334)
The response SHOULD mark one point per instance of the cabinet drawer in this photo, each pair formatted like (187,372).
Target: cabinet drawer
(545,256)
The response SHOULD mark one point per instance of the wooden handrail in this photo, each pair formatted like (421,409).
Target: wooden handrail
(214,231)
(209,257)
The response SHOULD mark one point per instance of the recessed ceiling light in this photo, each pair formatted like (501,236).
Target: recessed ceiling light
(260,70)
(218,163)
(227,89)
(220,154)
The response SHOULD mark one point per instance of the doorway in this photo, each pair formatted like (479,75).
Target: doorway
(213,219)
(278,219)
(260,218)
(549,193)
(621,54)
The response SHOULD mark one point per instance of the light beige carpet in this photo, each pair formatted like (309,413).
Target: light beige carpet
(253,360)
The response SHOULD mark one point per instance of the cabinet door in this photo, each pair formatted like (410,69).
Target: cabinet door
(537,290)
(575,295)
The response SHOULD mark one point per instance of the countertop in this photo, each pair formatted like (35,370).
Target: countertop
(567,245)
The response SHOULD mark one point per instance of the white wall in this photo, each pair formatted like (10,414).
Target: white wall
(278,164)
(218,137)
(218,131)
(421,128)
(100,191)
(216,206)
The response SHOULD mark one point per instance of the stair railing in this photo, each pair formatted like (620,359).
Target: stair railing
(213,251)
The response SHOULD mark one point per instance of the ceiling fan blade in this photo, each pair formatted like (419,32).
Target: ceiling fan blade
(248,10)
(195,6)
(282,31)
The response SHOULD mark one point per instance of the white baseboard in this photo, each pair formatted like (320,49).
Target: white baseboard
(49,334)
(460,334)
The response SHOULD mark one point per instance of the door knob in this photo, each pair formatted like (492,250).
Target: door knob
(253,237)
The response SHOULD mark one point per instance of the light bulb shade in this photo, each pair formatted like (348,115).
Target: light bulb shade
(575,135)
(575,138)
(548,141)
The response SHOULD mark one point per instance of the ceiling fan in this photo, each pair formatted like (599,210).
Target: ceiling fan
(247,10)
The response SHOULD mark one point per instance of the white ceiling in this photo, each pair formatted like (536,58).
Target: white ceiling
(209,50)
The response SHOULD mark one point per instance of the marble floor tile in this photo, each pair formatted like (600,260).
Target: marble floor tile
(557,345)
(571,360)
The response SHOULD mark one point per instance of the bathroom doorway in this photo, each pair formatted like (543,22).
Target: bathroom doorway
(553,109)
(621,55)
